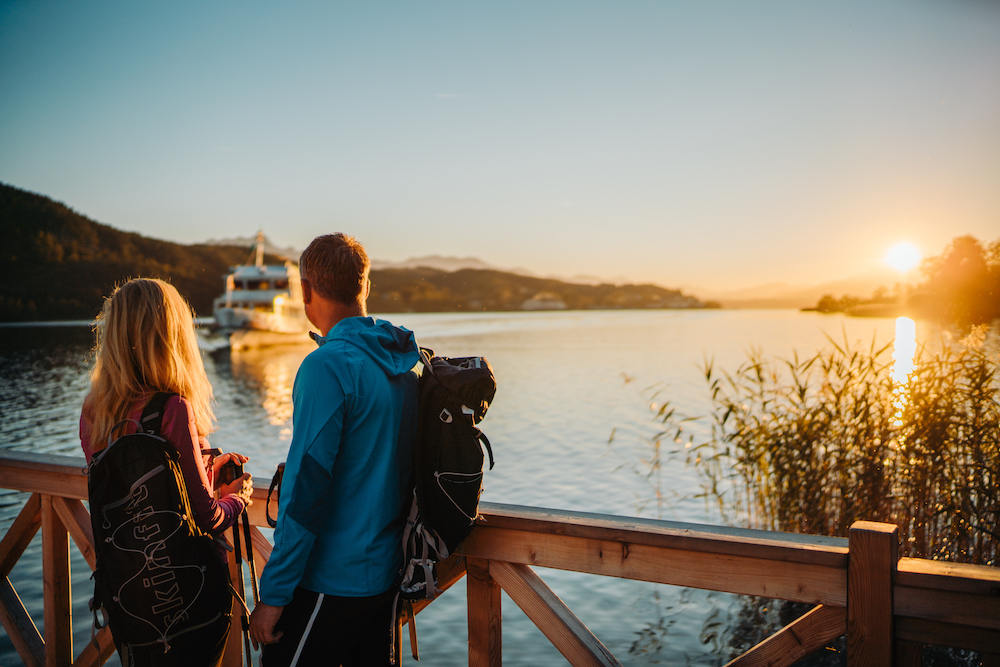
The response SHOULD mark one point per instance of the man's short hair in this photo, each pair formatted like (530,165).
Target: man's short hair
(336,266)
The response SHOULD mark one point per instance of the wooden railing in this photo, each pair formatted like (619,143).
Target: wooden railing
(887,606)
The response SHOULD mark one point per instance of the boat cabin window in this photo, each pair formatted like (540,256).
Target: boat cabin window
(258,284)
(281,283)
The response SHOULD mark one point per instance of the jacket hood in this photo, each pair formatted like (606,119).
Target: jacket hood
(393,348)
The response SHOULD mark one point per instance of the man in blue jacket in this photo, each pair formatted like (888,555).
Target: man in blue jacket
(327,591)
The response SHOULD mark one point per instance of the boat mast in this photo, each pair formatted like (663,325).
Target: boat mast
(260,249)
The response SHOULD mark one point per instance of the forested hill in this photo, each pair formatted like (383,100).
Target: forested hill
(433,290)
(56,264)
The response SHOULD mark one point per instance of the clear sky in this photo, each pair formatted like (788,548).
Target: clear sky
(720,144)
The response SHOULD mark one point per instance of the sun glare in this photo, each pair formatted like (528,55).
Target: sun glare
(902,256)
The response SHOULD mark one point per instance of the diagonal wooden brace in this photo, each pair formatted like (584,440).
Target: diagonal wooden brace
(808,633)
(19,535)
(556,621)
(19,626)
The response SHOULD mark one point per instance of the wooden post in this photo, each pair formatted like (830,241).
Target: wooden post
(909,654)
(75,517)
(232,656)
(58,602)
(874,552)
(485,636)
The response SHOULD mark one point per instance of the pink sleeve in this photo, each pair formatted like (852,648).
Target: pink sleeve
(178,427)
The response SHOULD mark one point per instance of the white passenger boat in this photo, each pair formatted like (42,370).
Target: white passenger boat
(262,304)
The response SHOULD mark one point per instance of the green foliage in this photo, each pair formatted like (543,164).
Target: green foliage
(813,445)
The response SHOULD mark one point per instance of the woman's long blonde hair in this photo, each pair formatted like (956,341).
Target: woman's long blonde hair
(145,343)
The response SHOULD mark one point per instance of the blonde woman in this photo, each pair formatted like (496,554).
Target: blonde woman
(146,344)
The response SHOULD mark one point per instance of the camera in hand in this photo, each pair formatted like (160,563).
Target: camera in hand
(230,471)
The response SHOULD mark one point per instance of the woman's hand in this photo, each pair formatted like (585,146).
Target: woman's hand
(223,459)
(242,486)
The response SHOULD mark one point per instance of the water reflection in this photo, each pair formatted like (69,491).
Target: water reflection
(560,397)
(904,349)
(271,371)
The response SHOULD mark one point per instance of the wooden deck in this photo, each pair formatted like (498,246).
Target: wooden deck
(887,606)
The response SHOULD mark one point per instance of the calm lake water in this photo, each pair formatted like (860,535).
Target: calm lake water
(566,382)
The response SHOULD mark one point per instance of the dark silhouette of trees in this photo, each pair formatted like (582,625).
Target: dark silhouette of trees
(831,304)
(56,264)
(963,283)
(433,290)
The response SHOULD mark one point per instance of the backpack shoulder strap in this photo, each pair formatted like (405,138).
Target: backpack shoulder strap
(426,354)
(152,415)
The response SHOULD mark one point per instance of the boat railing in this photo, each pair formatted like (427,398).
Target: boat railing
(888,607)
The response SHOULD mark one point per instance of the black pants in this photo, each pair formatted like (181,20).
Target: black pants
(198,648)
(329,630)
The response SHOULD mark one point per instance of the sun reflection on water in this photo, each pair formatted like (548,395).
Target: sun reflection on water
(272,370)
(904,349)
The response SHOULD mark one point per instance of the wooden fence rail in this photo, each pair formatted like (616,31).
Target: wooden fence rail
(888,607)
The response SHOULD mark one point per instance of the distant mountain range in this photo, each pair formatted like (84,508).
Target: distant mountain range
(437,262)
(56,264)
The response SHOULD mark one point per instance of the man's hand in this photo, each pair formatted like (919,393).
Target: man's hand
(262,622)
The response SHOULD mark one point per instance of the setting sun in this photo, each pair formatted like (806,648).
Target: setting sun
(903,256)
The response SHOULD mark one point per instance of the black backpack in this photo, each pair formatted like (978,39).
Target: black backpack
(447,466)
(158,574)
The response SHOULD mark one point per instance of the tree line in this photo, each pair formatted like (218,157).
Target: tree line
(432,290)
(960,285)
(56,264)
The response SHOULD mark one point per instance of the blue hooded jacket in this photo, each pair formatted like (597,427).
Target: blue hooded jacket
(347,475)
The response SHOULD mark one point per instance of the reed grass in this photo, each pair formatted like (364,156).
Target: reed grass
(811,445)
